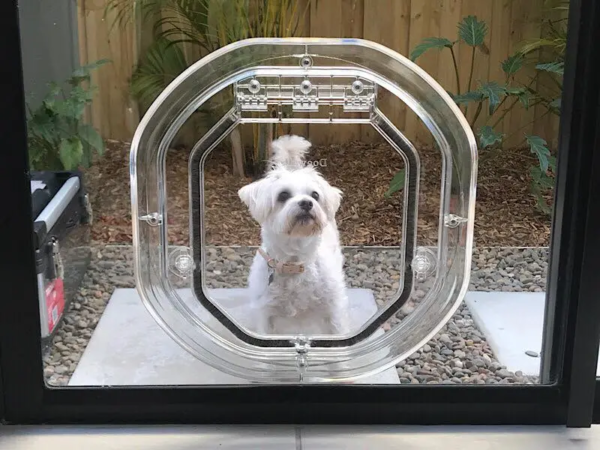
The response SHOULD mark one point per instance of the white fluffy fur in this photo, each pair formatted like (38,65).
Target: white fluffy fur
(313,302)
(289,152)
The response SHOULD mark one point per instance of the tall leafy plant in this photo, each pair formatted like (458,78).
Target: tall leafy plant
(58,137)
(498,97)
(205,25)
(548,55)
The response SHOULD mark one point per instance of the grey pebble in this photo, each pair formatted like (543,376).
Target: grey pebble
(460,354)
(457,363)
(503,373)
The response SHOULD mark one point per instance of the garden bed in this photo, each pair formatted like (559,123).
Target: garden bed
(506,215)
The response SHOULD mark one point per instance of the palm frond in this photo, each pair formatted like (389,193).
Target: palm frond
(161,64)
(127,10)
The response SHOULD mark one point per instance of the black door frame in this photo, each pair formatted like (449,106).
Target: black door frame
(596,414)
(2,408)
(575,247)
(571,337)
(16,257)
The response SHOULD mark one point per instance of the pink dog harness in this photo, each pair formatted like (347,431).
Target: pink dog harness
(286,268)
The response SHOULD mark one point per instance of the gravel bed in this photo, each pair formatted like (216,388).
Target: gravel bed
(458,354)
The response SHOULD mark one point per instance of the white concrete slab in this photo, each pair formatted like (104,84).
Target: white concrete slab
(128,348)
(512,323)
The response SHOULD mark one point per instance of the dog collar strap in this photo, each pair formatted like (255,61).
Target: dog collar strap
(286,268)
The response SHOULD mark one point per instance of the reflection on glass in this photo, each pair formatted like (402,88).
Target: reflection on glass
(104,336)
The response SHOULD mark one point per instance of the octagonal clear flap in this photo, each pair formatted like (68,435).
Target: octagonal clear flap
(317,241)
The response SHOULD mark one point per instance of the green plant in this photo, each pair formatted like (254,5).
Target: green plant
(205,25)
(498,96)
(548,57)
(397,183)
(58,138)
(548,54)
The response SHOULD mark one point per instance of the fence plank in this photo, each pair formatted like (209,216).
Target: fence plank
(451,14)
(83,54)
(387,22)
(483,11)
(113,112)
(335,18)
(425,22)
(526,24)
(325,21)
(304,30)
(500,29)
(546,124)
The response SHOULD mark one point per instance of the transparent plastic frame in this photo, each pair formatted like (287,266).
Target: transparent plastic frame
(190,319)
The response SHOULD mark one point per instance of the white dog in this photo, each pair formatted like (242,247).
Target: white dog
(296,281)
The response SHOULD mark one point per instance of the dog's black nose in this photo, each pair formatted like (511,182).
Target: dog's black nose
(306,205)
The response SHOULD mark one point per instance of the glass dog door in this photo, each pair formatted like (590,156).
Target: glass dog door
(393,297)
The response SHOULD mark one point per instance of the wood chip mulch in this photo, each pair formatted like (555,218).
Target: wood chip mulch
(506,214)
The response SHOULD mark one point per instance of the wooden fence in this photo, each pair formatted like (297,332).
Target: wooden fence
(398,24)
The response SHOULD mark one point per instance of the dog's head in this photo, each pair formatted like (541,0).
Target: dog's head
(297,203)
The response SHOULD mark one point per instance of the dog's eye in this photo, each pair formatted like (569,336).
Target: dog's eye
(315,195)
(283,196)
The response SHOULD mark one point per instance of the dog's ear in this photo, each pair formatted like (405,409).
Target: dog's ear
(256,199)
(332,200)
